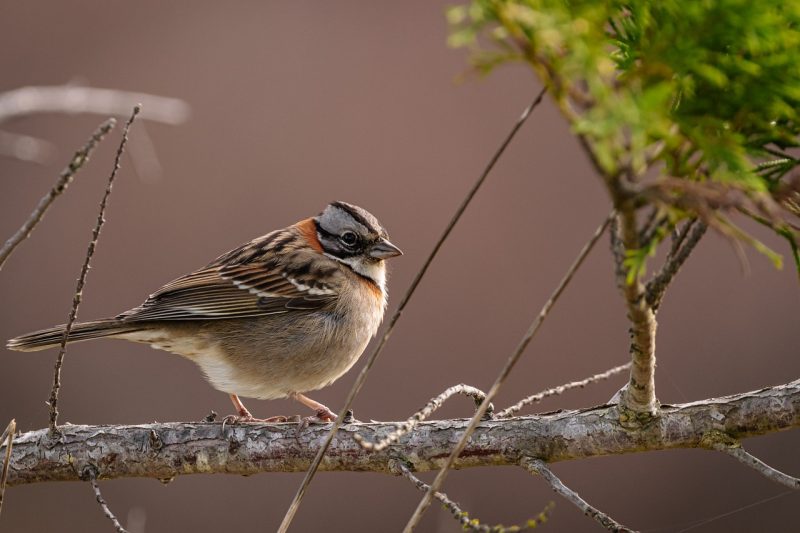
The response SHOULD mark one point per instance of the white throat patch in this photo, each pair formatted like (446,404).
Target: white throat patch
(369,269)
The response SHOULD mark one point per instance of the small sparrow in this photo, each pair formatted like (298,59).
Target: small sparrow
(286,313)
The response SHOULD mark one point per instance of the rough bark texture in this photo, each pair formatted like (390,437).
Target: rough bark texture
(640,394)
(166,450)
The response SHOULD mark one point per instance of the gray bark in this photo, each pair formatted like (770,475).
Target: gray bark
(166,450)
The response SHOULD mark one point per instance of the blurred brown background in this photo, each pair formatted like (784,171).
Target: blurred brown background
(295,104)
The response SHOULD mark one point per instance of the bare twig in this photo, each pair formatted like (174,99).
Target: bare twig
(8,437)
(539,467)
(510,363)
(736,451)
(76,301)
(658,285)
(78,160)
(76,99)
(162,451)
(362,376)
(467,523)
(413,421)
(104,505)
(514,409)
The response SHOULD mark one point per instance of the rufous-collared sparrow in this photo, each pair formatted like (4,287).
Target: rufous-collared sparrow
(286,313)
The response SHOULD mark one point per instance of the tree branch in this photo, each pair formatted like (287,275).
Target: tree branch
(75,164)
(743,456)
(467,523)
(166,450)
(539,468)
(639,396)
(684,244)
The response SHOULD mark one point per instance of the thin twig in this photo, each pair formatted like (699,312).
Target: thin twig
(746,458)
(539,467)
(76,301)
(413,421)
(75,164)
(77,99)
(104,505)
(362,376)
(8,436)
(473,524)
(511,411)
(658,285)
(510,363)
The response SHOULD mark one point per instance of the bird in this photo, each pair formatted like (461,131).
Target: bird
(286,313)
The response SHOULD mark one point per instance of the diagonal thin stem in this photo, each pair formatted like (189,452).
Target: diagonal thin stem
(511,411)
(748,459)
(76,300)
(104,506)
(362,376)
(75,164)
(8,436)
(473,524)
(539,467)
(510,363)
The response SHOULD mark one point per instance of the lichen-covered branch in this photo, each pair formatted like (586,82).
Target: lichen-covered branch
(163,451)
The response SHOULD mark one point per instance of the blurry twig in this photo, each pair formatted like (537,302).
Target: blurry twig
(510,363)
(76,99)
(539,467)
(743,456)
(8,436)
(25,147)
(362,376)
(76,301)
(413,421)
(103,504)
(511,411)
(78,160)
(467,523)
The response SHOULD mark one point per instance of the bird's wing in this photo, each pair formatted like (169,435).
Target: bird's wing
(236,291)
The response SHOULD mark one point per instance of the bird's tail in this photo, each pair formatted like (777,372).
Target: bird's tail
(84,331)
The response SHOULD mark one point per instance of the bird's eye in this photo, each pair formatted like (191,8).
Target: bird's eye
(348,238)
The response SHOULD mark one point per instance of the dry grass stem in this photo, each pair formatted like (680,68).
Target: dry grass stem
(413,421)
(538,467)
(511,411)
(75,164)
(510,363)
(76,301)
(362,376)
(8,437)
(473,524)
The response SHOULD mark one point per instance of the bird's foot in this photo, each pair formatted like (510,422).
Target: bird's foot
(248,418)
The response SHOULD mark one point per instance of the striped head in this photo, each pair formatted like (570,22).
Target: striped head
(352,236)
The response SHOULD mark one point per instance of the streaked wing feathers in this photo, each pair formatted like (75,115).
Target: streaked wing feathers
(234,291)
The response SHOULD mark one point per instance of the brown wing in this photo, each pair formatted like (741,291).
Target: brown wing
(236,291)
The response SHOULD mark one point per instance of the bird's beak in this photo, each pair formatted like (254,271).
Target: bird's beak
(383,249)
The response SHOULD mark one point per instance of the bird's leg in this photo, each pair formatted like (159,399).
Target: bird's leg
(245,416)
(323,413)
(240,408)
